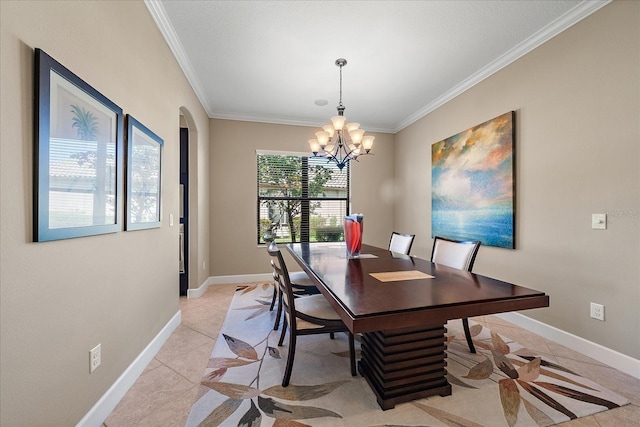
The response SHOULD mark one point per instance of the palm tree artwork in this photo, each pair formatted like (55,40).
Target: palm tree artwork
(87,128)
(85,122)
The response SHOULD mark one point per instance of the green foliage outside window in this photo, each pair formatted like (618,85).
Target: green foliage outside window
(299,197)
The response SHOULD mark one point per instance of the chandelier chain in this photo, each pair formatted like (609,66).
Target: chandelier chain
(340,86)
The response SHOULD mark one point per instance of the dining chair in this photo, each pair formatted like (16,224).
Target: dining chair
(300,280)
(456,254)
(302,285)
(401,243)
(304,315)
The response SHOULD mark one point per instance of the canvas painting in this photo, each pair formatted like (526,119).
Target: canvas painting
(473,187)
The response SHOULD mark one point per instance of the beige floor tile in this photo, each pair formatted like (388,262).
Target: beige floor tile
(191,364)
(173,413)
(151,392)
(625,416)
(182,341)
(589,421)
(151,366)
(164,392)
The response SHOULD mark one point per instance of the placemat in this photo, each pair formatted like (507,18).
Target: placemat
(363,256)
(393,276)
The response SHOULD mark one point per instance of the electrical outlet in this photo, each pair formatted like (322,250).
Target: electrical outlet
(95,357)
(597,311)
(599,221)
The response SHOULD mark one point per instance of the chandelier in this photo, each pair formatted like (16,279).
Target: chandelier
(340,142)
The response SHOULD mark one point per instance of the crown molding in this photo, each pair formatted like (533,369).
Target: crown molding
(567,20)
(159,14)
(263,119)
(284,121)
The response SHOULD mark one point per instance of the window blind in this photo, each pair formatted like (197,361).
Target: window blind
(300,198)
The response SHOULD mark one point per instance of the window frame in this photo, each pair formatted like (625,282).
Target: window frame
(305,214)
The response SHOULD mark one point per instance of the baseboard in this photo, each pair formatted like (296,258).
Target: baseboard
(107,403)
(620,361)
(225,280)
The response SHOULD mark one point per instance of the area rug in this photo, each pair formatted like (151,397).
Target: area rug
(504,384)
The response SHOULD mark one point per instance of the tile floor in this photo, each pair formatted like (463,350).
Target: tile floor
(165,391)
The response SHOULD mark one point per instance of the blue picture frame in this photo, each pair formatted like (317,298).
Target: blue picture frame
(144,176)
(78,151)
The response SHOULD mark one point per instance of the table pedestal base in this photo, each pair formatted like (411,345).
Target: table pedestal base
(405,364)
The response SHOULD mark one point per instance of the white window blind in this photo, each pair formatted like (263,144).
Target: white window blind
(303,199)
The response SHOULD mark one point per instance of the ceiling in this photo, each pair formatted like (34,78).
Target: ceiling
(274,61)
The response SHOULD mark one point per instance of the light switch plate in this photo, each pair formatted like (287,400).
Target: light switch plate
(599,221)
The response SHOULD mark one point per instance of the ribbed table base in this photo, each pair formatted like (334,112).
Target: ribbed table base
(405,364)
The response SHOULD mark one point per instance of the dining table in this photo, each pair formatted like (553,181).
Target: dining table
(400,305)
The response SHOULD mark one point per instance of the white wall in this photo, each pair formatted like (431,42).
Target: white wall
(577,103)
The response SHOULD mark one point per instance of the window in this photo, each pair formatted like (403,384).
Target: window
(303,199)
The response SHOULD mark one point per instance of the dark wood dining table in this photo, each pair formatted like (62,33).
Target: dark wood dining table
(402,314)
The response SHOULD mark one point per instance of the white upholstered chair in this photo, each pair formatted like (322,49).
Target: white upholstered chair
(401,243)
(302,285)
(456,254)
(305,315)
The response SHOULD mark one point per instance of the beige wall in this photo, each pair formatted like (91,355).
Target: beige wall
(234,249)
(59,299)
(577,103)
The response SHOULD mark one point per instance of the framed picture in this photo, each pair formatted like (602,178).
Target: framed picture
(77,156)
(473,186)
(144,160)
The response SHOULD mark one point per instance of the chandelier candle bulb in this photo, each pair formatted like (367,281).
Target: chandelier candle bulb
(323,138)
(338,122)
(352,126)
(315,146)
(356,136)
(367,142)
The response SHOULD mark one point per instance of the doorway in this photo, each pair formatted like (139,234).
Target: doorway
(184,210)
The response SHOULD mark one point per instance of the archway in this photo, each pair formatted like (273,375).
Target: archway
(189,211)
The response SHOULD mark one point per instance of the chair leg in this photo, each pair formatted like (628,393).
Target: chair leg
(352,354)
(278,312)
(292,352)
(273,298)
(467,334)
(332,335)
(284,331)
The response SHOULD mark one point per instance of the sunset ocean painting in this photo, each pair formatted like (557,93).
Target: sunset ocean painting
(472,184)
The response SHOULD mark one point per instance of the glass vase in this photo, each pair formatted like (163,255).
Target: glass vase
(353,227)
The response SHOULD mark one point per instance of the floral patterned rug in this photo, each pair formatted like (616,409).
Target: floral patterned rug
(504,384)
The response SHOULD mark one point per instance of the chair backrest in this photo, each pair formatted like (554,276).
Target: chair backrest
(401,243)
(454,253)
(281,277)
